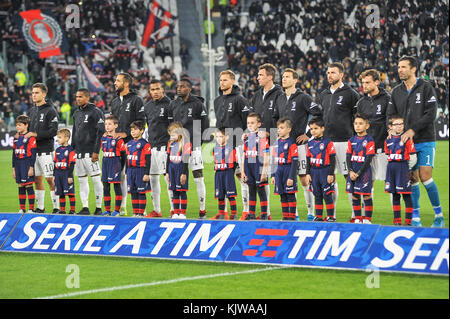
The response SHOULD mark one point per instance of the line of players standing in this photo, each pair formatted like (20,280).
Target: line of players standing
(337,106)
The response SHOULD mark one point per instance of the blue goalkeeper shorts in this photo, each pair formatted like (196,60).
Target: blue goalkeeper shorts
(426,152)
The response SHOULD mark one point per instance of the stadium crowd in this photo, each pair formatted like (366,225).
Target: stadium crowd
(307,35)
(106,40)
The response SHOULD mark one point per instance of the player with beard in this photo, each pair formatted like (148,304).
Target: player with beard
(298,108)
(189,110)
(339,106)
(128,107)
(159,116)
(232,109)
(415,100)
(88,128)
(374,105)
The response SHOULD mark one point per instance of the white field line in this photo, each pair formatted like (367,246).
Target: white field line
(157,283)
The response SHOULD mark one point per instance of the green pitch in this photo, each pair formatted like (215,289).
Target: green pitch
(42,275)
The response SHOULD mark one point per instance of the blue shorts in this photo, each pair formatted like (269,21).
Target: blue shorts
(225,184)
(281,177)
(426,152)
(319,185)
(253,173)
(175,171)
(62,186)
(397,178)
(362,185)
(135,182)
(21,169)
(111,170)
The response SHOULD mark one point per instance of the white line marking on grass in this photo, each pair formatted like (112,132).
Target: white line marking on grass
(156,283)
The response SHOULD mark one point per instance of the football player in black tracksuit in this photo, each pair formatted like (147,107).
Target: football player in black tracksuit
(231,110)
(415,100)
(128,107)
(298,108)
(339,106)
(43,126)
(159,115)
(190,110)
(88,128)
(374,105)
(265,102)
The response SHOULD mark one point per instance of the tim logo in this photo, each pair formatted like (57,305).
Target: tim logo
(268,245)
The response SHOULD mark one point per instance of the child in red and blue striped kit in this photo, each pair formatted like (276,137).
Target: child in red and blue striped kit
(320,165)
(360,151)
(138,168)
(285,155)
(401,158)
(255,166)
(224,164)
(179,150)
(64,160)
(23,159)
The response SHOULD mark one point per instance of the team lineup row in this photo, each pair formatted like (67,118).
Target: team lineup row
(272,107)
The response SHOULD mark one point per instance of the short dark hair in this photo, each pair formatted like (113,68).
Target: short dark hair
(318,120)
(187,81)
(222,130)
(285,120)
(361,116)
(140,125)
(154,81)
(394,117)
(24,119)
(294,73)
(412,60)
(255,115)
(338,65)
(270,69)
(371,72)
(126,77)
(40,86)
(84,91)
(113,118)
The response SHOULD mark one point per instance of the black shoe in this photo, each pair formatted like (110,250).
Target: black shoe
(72,212)
(84,211)
(331,219)
(250,217)
(98,211)
(39,211)
(263,217)
(55,211)
(318,219)
(62,212)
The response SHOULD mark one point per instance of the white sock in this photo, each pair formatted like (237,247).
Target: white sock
(350,199)
(124,188)
(244,194)
(309,199)
(335,196)
(201,191)
(156,192)
(98,190)
(296,206)
(55,200)
(40,198)
(267,189)
(84,191)
(170,193)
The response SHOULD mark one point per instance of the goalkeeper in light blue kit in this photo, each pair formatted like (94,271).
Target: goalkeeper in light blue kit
(415,100)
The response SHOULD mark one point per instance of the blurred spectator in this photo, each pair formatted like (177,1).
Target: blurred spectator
(308,35)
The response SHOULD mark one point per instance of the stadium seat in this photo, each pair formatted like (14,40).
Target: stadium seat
(168,61)
(252,26)
(266,8)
